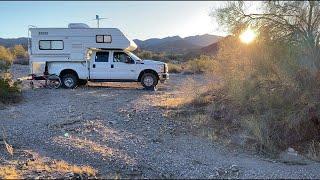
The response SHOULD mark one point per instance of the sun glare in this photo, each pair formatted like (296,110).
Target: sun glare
(248,36)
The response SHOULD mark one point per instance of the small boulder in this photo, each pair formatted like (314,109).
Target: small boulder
(291,156)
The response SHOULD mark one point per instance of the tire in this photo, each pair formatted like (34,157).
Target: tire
(54,81)
(149,81)
(82,82)
(69,81)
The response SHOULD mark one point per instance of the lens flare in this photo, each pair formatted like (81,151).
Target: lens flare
(248,36)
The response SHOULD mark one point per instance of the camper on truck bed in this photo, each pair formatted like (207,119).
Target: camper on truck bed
(78,54)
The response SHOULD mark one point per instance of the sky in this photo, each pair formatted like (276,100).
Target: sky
(137,19)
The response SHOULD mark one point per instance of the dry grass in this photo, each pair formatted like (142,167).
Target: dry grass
(58,167)
(22,166)
(9,172)
(314,150)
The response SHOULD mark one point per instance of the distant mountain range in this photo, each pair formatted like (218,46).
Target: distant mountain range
(174,44)
(10,42)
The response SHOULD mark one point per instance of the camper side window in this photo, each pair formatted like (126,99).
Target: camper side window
(103,39)
(51,45)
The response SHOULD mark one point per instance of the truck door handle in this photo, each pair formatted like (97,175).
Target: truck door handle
(93,66)
(112,66)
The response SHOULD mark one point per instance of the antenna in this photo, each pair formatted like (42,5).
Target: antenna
(98,20)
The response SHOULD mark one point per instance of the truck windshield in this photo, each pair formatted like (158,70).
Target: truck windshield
(134,57)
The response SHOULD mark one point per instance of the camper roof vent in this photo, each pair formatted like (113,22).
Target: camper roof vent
(77,26)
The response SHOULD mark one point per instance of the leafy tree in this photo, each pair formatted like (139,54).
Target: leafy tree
(294,22)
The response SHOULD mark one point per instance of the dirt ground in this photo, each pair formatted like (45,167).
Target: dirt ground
(116,130)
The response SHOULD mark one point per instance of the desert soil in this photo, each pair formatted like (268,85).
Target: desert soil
(117,129)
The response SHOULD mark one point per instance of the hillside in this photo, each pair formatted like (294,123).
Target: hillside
(172,45)
(10,42)
(177,44)
(203,40)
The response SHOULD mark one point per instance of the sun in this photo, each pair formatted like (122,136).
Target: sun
(248,36)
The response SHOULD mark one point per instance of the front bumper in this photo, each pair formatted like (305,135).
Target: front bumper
(163,77)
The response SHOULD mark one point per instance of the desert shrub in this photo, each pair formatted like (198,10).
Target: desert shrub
(19,52)
(174,68)
(274,93)
(200,65)
(161,56)
(5,58)
(9,90)
(20,55)
(271,84)
(151,55)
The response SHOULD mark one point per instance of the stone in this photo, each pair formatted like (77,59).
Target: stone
(291,156)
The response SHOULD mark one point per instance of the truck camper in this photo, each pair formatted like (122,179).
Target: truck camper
(79,54)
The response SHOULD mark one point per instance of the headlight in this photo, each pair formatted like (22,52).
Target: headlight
(161,68)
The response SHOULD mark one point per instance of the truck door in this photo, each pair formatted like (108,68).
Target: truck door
(123,67)
(99,68)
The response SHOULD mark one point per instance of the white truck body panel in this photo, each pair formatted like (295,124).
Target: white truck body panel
(79,67)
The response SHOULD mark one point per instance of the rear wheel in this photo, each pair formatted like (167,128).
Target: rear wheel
(149,80)
(69,81)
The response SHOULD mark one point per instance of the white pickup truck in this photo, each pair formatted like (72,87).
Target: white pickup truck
(110,66)
(78,54)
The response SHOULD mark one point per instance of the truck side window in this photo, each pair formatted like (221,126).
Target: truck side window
(102,57)
(121,57)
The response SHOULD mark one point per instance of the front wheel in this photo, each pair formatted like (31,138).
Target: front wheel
(69,81)
(149,80)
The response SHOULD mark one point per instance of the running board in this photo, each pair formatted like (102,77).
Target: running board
(112,80)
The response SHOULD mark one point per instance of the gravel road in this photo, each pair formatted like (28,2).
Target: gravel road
(116,129)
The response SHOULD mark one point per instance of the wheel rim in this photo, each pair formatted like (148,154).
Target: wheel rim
(54,82)
(68,82)
(148,81)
